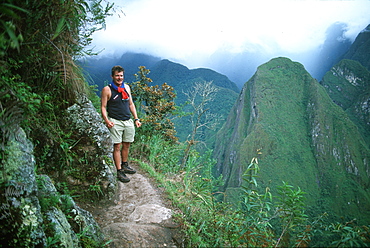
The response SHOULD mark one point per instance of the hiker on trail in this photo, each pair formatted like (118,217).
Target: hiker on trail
(116,108)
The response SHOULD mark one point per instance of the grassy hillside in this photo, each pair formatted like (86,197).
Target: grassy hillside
(303,137)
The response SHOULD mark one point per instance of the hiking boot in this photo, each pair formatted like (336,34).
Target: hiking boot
(122,176)
(127,169)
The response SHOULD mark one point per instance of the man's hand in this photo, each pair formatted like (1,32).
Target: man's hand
(137,123)
(109,124)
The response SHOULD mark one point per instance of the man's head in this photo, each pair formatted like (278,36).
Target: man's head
(117,68)
(117,74)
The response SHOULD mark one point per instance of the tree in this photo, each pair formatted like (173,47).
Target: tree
(198,98)
(156,104)
(51,34)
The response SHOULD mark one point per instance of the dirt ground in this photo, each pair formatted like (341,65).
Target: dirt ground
(139,216)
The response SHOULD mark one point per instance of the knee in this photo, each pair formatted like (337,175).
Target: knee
(126,145)
(117,147)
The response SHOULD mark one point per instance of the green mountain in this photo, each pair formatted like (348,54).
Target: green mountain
(303,138)
(348,85)
(183,79)
(360,49)
(181,76)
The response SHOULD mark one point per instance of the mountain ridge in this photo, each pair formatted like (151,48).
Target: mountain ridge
(360,49)
(304,137)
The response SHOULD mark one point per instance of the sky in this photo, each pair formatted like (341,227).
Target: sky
(191,31)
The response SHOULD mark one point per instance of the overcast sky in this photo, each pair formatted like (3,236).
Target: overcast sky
(190,31)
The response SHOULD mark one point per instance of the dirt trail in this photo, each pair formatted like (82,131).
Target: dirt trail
(138,217)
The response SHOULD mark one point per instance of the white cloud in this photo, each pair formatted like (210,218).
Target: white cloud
(186,29)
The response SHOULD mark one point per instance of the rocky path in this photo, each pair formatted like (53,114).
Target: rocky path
(138,216)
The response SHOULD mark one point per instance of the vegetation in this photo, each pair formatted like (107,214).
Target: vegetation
(201,120)
(347,84)
(259,220)
(205,216)
(156,104)
(39,42)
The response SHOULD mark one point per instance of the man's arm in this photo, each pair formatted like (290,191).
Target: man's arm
(132,106)
(105,95)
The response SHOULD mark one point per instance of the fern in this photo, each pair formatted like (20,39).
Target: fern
(10,115)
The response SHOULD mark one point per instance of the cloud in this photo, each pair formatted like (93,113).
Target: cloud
(195,29)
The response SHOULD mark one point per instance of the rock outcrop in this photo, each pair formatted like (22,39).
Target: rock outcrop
(20,211)
(97,145)
(33,213)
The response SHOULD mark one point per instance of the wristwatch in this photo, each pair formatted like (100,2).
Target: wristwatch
(137,120)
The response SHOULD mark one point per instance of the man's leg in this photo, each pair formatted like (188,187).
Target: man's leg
(117,161)
(124,153)
(117,155)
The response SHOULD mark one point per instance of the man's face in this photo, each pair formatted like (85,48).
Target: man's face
(118,77)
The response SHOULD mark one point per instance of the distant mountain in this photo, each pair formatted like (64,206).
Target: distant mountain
(240,67)
(348,83)
(305,139)
(360,49)
(98,69)
(176,75)
(334,47)
(181,77)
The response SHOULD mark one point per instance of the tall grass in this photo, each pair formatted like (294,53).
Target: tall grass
(259,220)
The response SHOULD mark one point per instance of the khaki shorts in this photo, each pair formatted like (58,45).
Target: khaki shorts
(122,131)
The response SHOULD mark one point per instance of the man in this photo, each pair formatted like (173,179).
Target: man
(116,108)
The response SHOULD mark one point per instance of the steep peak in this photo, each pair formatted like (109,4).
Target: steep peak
(282,62)
(302,137)
(360,49)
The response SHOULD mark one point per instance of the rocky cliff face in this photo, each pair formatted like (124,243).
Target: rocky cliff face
(32,212)
(96,145)
(348,85)
(303,137)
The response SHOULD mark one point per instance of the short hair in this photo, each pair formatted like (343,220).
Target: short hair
(117,68)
